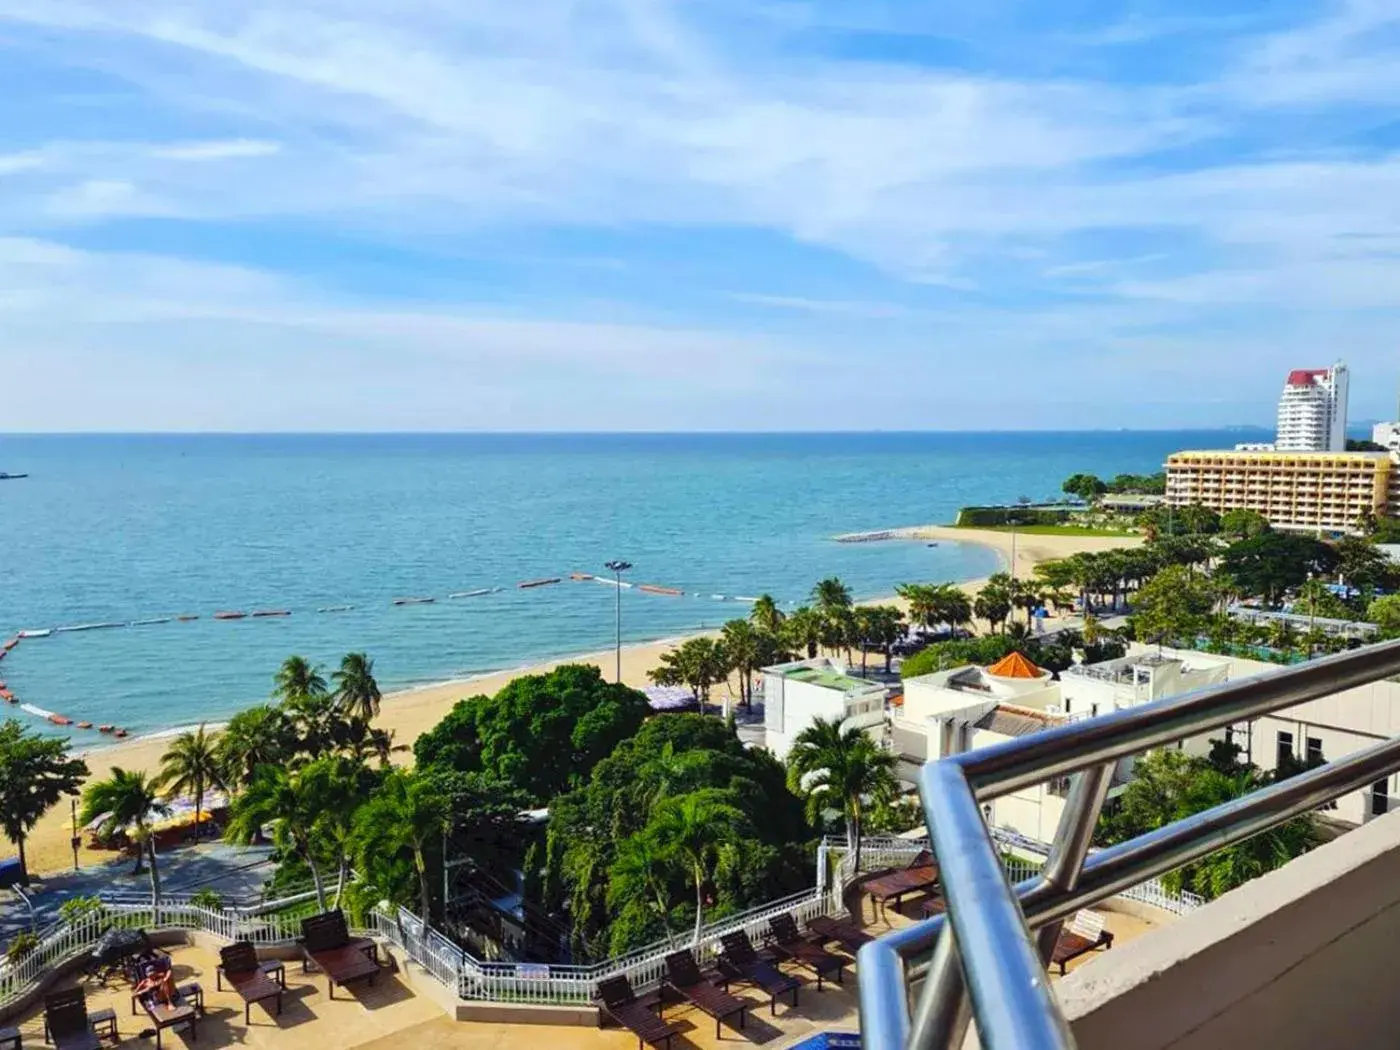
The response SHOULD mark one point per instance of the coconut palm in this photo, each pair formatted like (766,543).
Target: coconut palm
(192,764)
(639,878)
(694,831)
(127,799)
(803,630)
(742,648)
(407,814)
(297,678)
(766,616)
(831,594)
(254,737)
(356,691)
(276,797)
(886,624)
(841,770)
(922,600)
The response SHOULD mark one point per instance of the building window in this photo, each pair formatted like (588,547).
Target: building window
(1380,798)
(1315,757)
(1285,749)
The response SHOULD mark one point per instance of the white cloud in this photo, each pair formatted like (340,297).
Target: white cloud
(230,149)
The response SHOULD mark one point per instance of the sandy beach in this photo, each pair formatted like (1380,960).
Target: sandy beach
(410,713)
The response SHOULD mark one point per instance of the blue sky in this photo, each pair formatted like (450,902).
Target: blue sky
(732,214)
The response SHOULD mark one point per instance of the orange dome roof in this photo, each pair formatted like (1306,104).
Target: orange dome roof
(1014,665)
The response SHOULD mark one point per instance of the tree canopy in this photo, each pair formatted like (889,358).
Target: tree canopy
(35,772)
(541,733)
(1271,563)
(1173,606)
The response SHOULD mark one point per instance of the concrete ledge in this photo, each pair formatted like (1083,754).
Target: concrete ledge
(528,1013)
(1301,958)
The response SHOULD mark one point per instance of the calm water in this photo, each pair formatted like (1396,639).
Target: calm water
(123,528)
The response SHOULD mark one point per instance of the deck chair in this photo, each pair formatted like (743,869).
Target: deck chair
(788,942)
(683,976)
(1082,936)
(66,1021)
(848,935)
(617,1000)
(740,962)
(239,966)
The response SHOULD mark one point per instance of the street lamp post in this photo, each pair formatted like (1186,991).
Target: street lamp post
(617,568)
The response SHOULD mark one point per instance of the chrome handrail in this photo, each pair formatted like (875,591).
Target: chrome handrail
(983,951)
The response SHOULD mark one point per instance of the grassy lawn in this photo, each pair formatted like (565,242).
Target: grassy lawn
(1054,530)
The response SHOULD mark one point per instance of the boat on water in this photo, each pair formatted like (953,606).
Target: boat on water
(44,633)
(11,477)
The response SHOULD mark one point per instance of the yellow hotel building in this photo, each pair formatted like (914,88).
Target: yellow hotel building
(1309,491)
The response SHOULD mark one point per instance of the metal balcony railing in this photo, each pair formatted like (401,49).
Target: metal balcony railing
(985,959)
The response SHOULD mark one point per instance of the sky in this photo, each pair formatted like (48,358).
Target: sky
(693,214)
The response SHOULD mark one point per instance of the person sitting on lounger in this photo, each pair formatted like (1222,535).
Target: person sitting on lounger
(160,981)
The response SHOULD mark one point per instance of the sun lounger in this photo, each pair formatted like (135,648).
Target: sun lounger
(921,875)
(326,942)
(788,942)
(617,1000)
(684,978)
(1082,936)
(239,966)
(848,935)
(740,962)
(181,1011)
(66,1023)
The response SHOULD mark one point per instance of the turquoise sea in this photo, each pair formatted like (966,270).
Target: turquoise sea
(123,528)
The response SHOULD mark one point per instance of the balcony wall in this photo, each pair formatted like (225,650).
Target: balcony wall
(1304,958)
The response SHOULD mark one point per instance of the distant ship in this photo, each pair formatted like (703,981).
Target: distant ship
(11,477)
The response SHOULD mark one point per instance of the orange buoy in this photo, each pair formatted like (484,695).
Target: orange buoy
(229,615)
(652,588)
(60,720)
(104,729)
(186,618)
(7,696)
(119,732)
(10,644)
(84,725)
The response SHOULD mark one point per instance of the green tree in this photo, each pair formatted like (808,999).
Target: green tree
(1086,486)
(192,764)
(696,663)
(35,772)
(743,648)
(541,733)
(993,601)
(766,616)
(804,630)
(1316,599)
(695,831)
(356,692)
(1173,606)
(1243,524)
(284,800)
(129,800)
(256,736)
(296,679)
(1364,566)
(886,626)
(407,814)
(1385,614)
(922,600)
(841,771)
(1272,563)
(639,880)
(831,594)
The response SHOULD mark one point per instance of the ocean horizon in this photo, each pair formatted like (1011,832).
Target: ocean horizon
(117,528)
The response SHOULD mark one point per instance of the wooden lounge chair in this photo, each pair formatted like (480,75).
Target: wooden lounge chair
(1080,937)
(239,965)
(787,941)
(617,1000)
(183,1010)
(66,1021)
(848,935)
(684,978)
(920,876)
(326,942)
(740,962)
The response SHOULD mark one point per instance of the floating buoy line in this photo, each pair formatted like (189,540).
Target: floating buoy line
(9,645)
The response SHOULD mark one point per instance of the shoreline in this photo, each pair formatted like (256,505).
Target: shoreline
(411,711)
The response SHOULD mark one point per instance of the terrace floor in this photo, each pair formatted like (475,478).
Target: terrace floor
(390,1015)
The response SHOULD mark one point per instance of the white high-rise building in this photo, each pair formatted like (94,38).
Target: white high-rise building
(1312,413)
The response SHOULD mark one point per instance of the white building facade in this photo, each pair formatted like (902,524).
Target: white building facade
(1312,412)
(795,695)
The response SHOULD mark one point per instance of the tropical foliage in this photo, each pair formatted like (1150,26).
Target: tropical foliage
(128,801)
(841,771)
(35,772)
(191,765)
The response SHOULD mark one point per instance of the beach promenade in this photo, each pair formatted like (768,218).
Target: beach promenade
(410,713)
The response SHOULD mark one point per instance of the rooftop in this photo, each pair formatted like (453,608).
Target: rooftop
(1015,665)
(1014,720)
(824,673)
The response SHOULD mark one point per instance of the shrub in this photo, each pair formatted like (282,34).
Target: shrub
(22,944)
(208,899)
(76,908)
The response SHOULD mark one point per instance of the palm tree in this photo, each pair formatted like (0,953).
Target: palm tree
(953,605)
(741,646)
(696,663)
(276,797)
(766,616)
(297,678)
(993,602)
(831,594)
(803,629)
(356,691)
(840,770)
(254,737)
(694,831)
(406,814)
(192,764)
(922,600)
(639,876)
(127,799)
(887,627)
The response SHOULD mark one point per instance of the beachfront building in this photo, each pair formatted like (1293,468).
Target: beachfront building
(796,694)
(1306,491)
(962,709)
(1312,411)
(1387,435)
